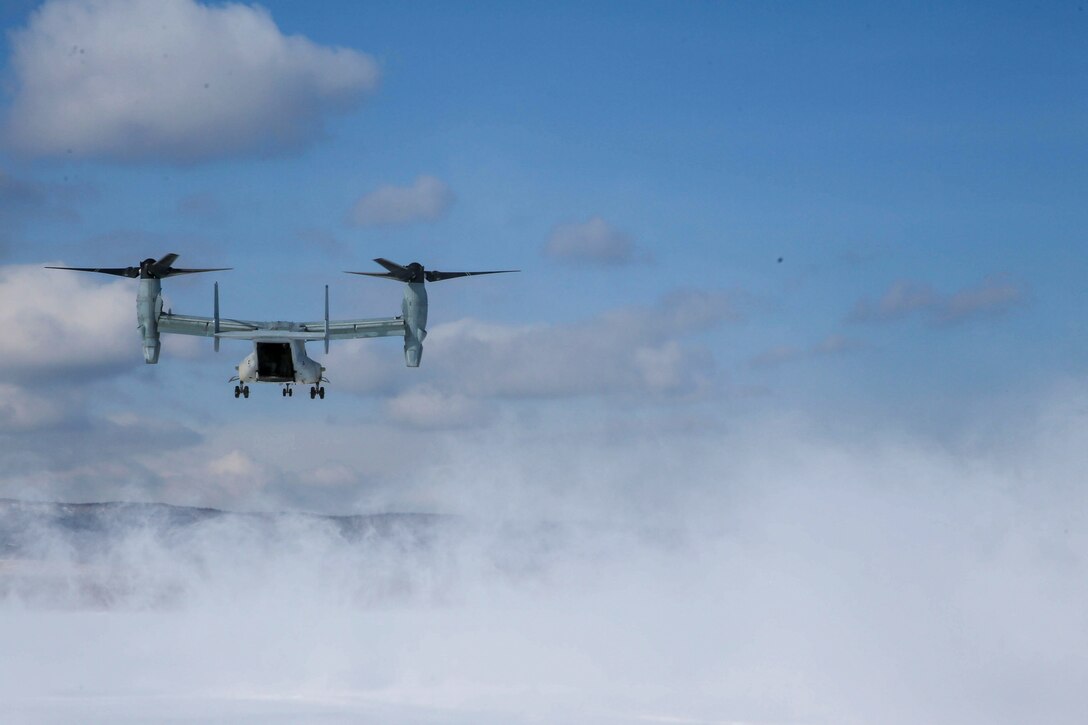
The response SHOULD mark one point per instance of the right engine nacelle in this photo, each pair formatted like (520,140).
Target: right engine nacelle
(148,309)
(413,352)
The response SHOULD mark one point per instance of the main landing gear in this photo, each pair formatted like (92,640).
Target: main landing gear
(317,392)
(288,391)
(241,390)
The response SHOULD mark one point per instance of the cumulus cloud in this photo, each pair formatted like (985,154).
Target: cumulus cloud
(63,321)
(992,296)
(592,241)
(175,80)
(627,351)
(426,200)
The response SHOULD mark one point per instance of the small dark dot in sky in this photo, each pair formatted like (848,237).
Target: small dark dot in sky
(780,260)
(205,85)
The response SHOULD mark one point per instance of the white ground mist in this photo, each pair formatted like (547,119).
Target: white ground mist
(791,576)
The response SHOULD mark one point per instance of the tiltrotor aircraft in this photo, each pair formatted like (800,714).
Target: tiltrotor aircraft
(279,348)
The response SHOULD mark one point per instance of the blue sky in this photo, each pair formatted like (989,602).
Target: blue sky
(919,170)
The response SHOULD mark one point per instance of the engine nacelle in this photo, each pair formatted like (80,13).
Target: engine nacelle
(151,351)
(413,352)
(414,310)
(148,309)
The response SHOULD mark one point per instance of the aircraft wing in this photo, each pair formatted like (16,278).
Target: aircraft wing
(248,330)
(205,326)
(349,329)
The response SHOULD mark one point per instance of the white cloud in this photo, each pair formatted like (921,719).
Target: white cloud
(427,407)
(235,463)
(21,410)
(175,80)
(426,200)
(59,322)
(626,351)
(992,296)
(591,241)
(229,479)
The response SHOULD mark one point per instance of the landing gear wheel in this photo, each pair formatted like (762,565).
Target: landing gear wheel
(237,390)
(290,392)
(321,392)
(313,392)
(245,392)
(284,392)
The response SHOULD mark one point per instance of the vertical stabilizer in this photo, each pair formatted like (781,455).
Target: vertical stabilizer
(215,310)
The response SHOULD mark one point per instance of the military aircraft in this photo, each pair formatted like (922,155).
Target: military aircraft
(279,348)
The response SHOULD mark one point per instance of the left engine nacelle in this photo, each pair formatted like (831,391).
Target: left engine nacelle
(414,310)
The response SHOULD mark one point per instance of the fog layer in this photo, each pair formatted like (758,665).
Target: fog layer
(787,576)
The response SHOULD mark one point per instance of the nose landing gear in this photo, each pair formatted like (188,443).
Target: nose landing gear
(317,392)
(241,390)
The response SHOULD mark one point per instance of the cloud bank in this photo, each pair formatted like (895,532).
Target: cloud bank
(628,351)
(594,241)
(63,322)
(427,199)
(172,80)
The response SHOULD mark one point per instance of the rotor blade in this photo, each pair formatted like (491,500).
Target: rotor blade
(117,271)
(174,270)
(383,275)
(435,276)
(398,271)
(391,266)
(161,268)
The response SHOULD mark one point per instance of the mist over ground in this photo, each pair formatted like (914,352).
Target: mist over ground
(787,573)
